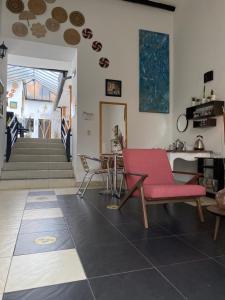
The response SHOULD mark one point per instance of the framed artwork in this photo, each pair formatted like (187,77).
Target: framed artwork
(113,88)
(154,81)
(13,105)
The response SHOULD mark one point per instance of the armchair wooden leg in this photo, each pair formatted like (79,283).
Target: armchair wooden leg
(200,212)
(144,208)
(218,218)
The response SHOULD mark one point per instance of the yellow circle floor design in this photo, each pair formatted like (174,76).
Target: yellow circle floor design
(112,206)
(45,240)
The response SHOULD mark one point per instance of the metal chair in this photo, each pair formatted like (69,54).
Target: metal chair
(103,169)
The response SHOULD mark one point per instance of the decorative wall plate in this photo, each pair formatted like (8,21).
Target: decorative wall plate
(38,30)
(77,18)
(72,37)
(52,25)
(27,15)
(104,62)
(20,29)
(87,33)
(38,7)
(59,14)
(15,6)
(97,46)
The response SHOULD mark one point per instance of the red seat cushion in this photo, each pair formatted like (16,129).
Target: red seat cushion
(172,191)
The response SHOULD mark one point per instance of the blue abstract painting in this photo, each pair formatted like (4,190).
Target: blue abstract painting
(154,83)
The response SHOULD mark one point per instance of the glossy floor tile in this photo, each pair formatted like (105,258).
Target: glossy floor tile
(41,205)
(43,242)
(136,231)
(4,269)
(143,285)
(79,290)
(44,269)
(167,251)
(42,213)
(43,225)
(7,244)
(41,199)
(204,242)
(100,260)
(41,193)
(199,280)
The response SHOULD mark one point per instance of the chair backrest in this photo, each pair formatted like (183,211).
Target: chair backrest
(84,163)
(153,162)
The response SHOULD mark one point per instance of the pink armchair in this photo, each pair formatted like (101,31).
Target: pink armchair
(149,176)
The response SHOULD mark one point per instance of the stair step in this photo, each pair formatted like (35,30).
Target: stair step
(36,174)
(37,184)
(39,151)
(14,166)
(43,141)
(39,145)
(37,158)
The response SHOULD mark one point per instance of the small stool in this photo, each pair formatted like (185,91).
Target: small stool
(219,212)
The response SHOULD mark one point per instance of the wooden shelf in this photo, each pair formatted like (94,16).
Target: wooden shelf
(207,110)
(203,123)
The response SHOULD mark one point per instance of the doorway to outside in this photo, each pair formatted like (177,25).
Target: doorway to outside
(33,96)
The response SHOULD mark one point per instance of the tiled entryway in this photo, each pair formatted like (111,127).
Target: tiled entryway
(55,246)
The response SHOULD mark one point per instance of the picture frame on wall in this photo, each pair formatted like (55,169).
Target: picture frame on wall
(113,88)
(13,105)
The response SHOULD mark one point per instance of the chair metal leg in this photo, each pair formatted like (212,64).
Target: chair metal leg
(87,184)
(200,211)
(144,208)
(80,189)
(217,226)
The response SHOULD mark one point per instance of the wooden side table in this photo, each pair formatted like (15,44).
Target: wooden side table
(214,209)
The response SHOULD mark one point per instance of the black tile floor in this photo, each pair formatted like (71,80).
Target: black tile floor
(175,259)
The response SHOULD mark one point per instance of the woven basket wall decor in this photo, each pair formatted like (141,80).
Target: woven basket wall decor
(59,14)
(52,25)
(15,6)
(77,18)
(20,29)
(38,7)
(72,37)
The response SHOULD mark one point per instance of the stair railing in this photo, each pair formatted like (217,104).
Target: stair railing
(66,138)
(12,133)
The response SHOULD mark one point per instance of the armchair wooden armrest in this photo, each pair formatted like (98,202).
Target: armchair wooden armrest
(194,179)
(137,185)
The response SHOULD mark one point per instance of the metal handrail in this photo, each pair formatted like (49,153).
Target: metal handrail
(12,133)
(66,138)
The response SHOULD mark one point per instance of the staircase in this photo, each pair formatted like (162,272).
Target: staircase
(37,163)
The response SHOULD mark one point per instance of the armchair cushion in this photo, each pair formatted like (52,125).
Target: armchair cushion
(157,191)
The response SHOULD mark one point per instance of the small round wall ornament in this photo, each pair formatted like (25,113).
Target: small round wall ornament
(15,6)
(52,25)
(59,14)
(72,37)
(97,46)
(104,62)
(19,29)
(38,30)
(77,18)
(87,33)
(38,7)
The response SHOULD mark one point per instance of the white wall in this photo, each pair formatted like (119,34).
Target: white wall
(199,47)
(116,24)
